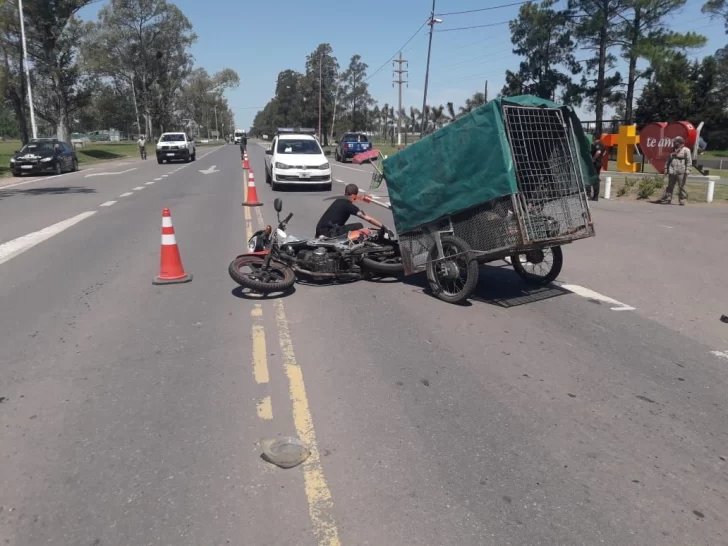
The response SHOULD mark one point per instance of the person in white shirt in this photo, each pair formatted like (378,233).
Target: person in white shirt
(142,143)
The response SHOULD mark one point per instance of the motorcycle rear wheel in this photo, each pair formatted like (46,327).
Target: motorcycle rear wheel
(278,277)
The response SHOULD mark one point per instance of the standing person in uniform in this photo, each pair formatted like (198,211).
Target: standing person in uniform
(677,169)
(333,221)
(597,155)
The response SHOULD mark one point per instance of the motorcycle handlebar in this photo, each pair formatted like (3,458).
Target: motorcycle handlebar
(287,219)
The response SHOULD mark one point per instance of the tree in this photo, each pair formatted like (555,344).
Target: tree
(54,34)
(717,9)
(644,35)
(595,24)
(356,92)
(13,85)
(321,67)
(145,43)
(542,36)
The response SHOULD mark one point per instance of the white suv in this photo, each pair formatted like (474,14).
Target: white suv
(296,159)
(176,146)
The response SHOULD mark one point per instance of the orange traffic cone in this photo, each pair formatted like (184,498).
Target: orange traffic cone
(170,267)
(252,198)
(246,165)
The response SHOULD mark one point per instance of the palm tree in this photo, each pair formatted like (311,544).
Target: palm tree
(451,115)
(437,116)
(414,114)
(384,117)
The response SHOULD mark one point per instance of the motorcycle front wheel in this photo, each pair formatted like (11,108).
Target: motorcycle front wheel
(248,272)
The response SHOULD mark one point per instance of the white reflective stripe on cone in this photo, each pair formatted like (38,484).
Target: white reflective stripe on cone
(166,221)
(168,239)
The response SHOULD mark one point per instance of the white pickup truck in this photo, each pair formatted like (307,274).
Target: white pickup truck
(176,146)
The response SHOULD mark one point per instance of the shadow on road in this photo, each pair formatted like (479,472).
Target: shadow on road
(245,294)
(499,286)
(52,190)
(99,154)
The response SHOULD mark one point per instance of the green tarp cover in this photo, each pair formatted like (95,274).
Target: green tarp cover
(464,164)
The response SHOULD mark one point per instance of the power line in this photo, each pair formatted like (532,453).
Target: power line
(385,63)
(481,9)
(474,26)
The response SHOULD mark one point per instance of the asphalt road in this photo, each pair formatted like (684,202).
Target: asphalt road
(591,412)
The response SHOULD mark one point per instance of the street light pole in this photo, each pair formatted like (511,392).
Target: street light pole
(216,128)
(27,71)
(432,23)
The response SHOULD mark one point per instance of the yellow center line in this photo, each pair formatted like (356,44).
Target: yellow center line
(320,502)
(265,409)
(260,361)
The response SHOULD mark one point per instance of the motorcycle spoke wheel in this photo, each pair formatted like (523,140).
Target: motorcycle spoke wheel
(249,272)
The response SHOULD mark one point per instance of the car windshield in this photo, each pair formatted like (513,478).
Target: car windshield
(355,137)
(37,148)
(296,146)
(174,137)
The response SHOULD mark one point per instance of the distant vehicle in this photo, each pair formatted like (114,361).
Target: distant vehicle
(176,146)
(44,155)
(238,136)
(295,157)
(350,145)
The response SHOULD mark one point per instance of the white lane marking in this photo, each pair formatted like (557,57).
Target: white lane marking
(43,179)
(590,294)
(110,173)
(350,168)
(139,188)
(661,225)
(165,175)
(17,246)
(107,204)
(127,194)
(157,179)
(720,354)
(149,183)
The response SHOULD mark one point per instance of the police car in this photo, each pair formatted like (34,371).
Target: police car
(295,158)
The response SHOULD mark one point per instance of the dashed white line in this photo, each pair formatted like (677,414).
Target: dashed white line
(139,188)
(127,194)
(149,183)
(13,248)
(591,295)
(107,204)
(720,354)
(165,175)
(157,179)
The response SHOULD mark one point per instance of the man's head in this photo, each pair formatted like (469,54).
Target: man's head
(678,141)
(351,191)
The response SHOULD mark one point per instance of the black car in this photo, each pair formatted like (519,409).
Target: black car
(44,156)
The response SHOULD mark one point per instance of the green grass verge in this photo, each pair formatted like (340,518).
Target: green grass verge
(651,188)
(90,154)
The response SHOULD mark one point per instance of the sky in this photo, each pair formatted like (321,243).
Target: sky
(259,41)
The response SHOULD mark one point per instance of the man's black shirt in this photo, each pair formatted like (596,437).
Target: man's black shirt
(338,213)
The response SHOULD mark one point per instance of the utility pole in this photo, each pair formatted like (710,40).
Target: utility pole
(432,23)
(485,93)
(399,81)
(321,60)
(27,71)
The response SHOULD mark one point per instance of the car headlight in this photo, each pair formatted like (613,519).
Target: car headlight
(324,166)
(281,166)
(12,160)
(46,159)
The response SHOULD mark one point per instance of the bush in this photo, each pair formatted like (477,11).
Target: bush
(626,187)
(648,186)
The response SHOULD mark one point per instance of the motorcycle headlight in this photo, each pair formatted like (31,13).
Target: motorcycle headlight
(279,165)
(324,166)
(46,159)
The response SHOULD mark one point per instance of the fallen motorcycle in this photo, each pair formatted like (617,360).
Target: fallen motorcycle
(275,259)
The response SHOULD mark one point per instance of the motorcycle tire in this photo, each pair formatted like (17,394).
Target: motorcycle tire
(381,268)
(257,285)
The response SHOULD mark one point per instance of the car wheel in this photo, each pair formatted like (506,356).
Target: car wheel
(194,155)
(59,169)
(268,178)
(188,158)
(74,168)
(274,186)
(17,174)
(160,160)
